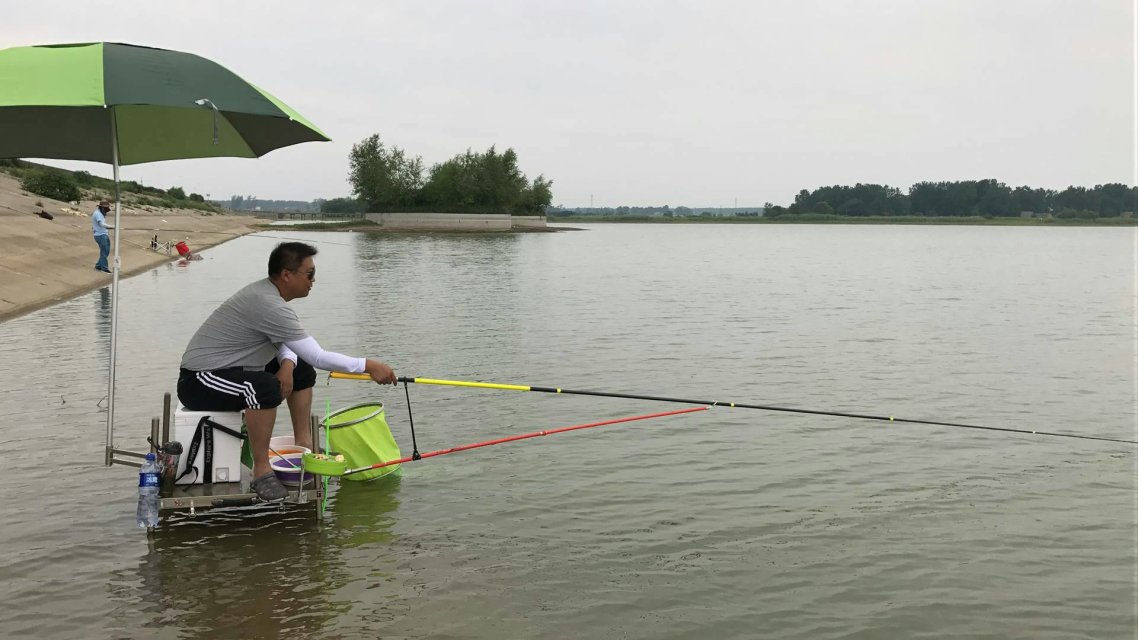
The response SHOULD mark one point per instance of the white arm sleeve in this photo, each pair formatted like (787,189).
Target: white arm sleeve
(284,353)
(310,351)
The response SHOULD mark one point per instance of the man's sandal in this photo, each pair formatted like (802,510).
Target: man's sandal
(269,488)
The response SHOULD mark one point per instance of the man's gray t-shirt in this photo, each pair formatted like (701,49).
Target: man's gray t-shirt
(245,331)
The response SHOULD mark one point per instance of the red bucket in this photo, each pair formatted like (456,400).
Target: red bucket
(182,248)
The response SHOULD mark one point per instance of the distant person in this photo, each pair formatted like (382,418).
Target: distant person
(99,227)
(252,353)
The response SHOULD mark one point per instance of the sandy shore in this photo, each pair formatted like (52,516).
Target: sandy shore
(43,262)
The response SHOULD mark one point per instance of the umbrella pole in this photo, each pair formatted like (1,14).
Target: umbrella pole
(114,294)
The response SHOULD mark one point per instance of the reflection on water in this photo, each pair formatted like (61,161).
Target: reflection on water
(259,573)
(104,301)
(242,576)
(364,512)
(710,525)
(102,324)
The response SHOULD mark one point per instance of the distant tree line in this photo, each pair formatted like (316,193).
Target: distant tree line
(386,179)
(665,211)
(72,186)
(253,203)
(343,205)
(963,198)
(636,212)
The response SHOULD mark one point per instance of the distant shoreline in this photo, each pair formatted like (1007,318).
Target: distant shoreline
(900,220)
(370,227)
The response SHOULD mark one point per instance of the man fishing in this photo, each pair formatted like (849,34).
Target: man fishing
(252,353)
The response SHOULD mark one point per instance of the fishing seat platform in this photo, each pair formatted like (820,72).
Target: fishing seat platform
(201,496)
(197,497)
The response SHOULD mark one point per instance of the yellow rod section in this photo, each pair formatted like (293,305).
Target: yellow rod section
(449,383)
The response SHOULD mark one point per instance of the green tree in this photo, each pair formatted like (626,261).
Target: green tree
(177,193)
(858,200)
(1074,198)
(1035,200)
(994,198)
(924,199)
(343,205)
(387,179)
(57,185)
(489,182)
(537,198)
(1116,198)
(988,197)
(773,210)
(384,178)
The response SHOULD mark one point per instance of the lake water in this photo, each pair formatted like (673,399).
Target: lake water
(728,523)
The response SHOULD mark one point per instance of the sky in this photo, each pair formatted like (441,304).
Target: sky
(700,103)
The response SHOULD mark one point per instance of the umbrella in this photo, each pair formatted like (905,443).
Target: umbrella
(126,104)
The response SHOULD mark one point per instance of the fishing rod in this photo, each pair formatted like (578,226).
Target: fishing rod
(524,436)
(719,403)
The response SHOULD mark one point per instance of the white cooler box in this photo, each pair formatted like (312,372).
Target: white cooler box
(226,448)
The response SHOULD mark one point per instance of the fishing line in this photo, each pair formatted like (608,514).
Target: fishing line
(30,213)
(260,235)
(736,405)
(524,436)
(414,445)
(229,233)
(327,427)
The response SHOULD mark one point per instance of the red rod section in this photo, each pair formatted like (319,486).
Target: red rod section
(545,432)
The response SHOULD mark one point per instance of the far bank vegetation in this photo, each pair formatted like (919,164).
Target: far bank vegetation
(72,186)
(967,198)
(387,179)
(968,201)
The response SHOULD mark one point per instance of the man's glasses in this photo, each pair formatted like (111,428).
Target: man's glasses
(311,274)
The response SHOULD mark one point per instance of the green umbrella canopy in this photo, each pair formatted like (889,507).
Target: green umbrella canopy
(124,104)
(64,101)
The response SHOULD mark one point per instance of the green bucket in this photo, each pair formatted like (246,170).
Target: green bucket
(361,435)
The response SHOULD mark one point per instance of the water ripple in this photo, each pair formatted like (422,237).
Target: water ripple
(724,524)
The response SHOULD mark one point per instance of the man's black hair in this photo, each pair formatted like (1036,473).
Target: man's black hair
(287,256)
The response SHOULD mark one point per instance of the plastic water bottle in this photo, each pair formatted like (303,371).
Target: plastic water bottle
(148,493)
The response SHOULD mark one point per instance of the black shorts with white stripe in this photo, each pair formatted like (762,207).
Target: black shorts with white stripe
(303,375)
(228,390)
